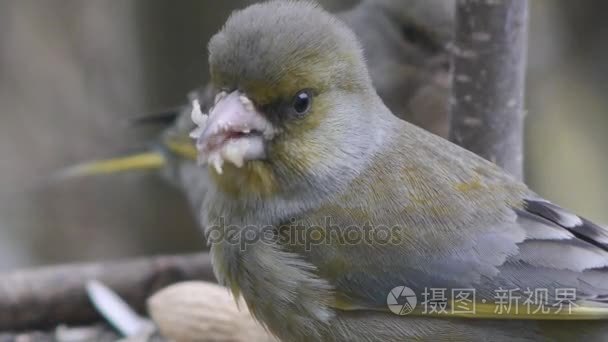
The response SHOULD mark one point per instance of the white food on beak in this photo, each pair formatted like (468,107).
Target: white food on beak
(198,117)
(247,103)
(216,160)
(234,131)
(233,154)
(220,96)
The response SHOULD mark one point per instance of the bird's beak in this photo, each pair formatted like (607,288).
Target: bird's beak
(233,131)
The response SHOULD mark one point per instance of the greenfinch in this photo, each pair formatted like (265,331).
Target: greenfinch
(325,211)
(405,46)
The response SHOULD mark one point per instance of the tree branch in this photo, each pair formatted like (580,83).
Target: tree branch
(46,297)
(488,82)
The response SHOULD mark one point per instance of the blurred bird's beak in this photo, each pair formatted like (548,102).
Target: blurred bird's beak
(234,131)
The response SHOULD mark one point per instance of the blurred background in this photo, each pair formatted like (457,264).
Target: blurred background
(73,73)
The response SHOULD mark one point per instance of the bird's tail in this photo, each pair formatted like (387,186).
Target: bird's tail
(148,160)
(172,148)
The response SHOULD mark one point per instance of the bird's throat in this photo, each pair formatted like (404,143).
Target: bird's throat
(254,178)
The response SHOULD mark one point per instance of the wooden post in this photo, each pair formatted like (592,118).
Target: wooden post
(489,62)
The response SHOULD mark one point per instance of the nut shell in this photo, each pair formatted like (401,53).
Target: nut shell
(203,311)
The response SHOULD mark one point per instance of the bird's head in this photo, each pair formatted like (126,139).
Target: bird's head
(293,99)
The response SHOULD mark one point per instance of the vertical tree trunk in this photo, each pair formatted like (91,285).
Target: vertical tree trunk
(488,83)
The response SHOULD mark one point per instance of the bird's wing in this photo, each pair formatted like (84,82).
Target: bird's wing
(564,255)
(561,250)
(542,257)
(580,227)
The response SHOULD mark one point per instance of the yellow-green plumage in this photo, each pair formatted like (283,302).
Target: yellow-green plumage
(455,220)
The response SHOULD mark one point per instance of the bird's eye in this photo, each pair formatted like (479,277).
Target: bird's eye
(302,102)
